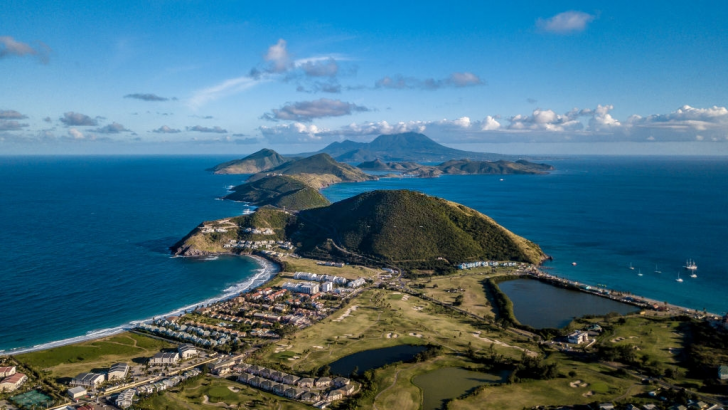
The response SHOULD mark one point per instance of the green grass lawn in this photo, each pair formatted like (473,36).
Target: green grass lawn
(207,392)
(68,361)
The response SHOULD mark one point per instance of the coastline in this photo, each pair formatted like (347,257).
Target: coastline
(267,271)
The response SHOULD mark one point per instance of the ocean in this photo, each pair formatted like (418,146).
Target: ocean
(85,244)
(85,239)
(605,213)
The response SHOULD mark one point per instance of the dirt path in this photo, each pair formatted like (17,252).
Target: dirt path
(374,403)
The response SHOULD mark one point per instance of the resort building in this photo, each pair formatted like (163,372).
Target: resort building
(335,395)
(125,399)
(77,392)
(12,382)
(7,371)
(578,337)
(356,283)
(118,371)
(88,380)
(327,287)
(187,351)
(323,382)
(341,382)
(164,358)
(305,382)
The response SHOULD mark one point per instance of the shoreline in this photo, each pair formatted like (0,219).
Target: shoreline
(267,270)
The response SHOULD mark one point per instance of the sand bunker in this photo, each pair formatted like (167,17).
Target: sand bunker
(617,339)
(318,347)
(346,314)
(589,393)
(415,334)
(405,297)
(418,308)
(233,389)
(578,383)
(391,335)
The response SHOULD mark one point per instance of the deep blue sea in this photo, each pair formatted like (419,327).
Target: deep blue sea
(85,243)
(84,239)
(605,214)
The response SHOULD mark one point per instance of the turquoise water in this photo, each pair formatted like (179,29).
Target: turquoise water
(85,243)
(85,238)
(605,213)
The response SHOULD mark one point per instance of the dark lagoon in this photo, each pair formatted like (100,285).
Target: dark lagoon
(541,305)
(450,382)
(372,359)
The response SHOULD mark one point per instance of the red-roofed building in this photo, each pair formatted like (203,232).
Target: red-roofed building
(11,383)
(7,371)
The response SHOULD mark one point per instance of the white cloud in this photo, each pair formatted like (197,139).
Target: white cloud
(11,115)
(278,56)
(75,134)
(223,89)
(11,47)
(305,111)
(77,119)
(566,22)
(292,133)
(457,80)
(166,130)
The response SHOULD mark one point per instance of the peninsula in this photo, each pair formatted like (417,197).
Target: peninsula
(459,167)
(260,161)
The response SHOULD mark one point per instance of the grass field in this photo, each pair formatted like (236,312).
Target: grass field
(348,271)
(381,318)
(659,339)
(70,360)
(207,392)
(599,386)
(474,296)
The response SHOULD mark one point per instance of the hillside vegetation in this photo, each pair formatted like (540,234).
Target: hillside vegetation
(318,171)
(465,166)
(279,191)
(380,226)
(260,161)
(410,227)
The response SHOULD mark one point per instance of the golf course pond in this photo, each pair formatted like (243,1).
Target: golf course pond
(541,305)
(372,359)
(446,383)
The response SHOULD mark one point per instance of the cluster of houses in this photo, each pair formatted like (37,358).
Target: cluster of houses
(249,244)
(90,380)
(310,390)
(209,229)
(480,264)
(329,263)
(10,379)
(197,334)
(692,404)
(577,337)
(126,398)
(256,231)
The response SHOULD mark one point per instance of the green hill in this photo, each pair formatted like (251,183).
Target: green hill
(260,161)
(401,227)
(409,227)
(317,171)
(379,165)
(465,166)
(280,191)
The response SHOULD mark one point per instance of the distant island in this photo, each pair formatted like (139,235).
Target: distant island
(260,161)
(305,175)
(382,227)
(459,167)
(409,146)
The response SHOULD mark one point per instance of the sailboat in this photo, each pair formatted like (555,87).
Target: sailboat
(639,273)
(693,275)
(630,266)
(690,265)
(657,271)
(678,277)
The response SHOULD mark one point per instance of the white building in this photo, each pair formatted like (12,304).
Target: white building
(356,283)
(187,351)
(164,358)
(578,337)
(118,371)
(88,380)
(125,399)
(11,383)
(327,287)
(76,392)
(7,371)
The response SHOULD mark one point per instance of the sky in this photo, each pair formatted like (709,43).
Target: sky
(232,77)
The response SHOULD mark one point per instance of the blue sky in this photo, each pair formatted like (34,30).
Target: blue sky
(185,77)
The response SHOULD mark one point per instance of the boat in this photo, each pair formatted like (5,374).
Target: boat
(573,263)
(678,278)
(639,273)
(693,275)
(630,266)
(657,271)
(690,265)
